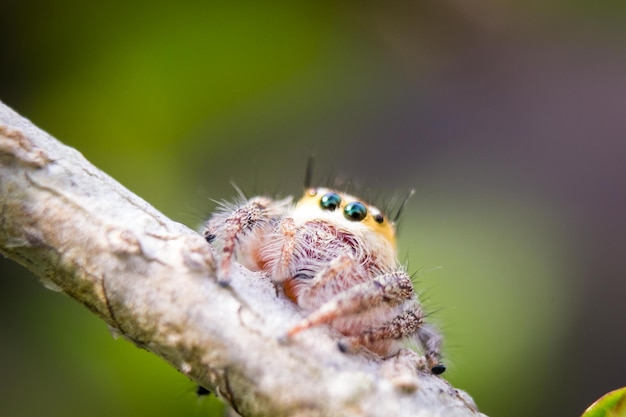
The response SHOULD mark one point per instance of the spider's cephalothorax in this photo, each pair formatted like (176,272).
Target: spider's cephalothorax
(335,256)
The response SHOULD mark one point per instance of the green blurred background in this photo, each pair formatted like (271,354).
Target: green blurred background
(507,118)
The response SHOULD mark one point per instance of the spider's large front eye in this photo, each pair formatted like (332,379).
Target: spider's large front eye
(355,211)
(330,201)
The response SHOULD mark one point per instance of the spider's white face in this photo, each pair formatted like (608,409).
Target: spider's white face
(348,213)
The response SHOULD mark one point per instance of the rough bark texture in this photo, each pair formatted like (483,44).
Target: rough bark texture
(152,280)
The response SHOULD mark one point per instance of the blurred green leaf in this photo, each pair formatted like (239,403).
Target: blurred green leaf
(612,404)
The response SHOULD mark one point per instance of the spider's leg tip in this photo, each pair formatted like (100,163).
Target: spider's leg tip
(223,279)
(202,391)
(344,346)
(438,369)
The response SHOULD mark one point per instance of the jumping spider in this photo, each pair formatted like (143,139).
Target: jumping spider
(335,257)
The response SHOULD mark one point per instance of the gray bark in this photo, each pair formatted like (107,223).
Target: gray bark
(152,280)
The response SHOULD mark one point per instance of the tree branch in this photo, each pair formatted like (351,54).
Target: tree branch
(152,280)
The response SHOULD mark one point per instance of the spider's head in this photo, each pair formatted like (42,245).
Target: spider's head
(347,212)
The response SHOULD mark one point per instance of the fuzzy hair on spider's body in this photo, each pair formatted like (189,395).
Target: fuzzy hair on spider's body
(335,257)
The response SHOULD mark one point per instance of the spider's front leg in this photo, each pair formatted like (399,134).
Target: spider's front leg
(393,291)
(248,225)
(406,324)
(388,289)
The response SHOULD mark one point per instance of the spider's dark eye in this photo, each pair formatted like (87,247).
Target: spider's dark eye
(379,218)
(355,211)
(330,201)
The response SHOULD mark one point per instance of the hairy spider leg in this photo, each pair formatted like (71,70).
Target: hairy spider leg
(255,213)
(391,288)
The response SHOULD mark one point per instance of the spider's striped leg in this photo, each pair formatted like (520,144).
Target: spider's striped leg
(391,289)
